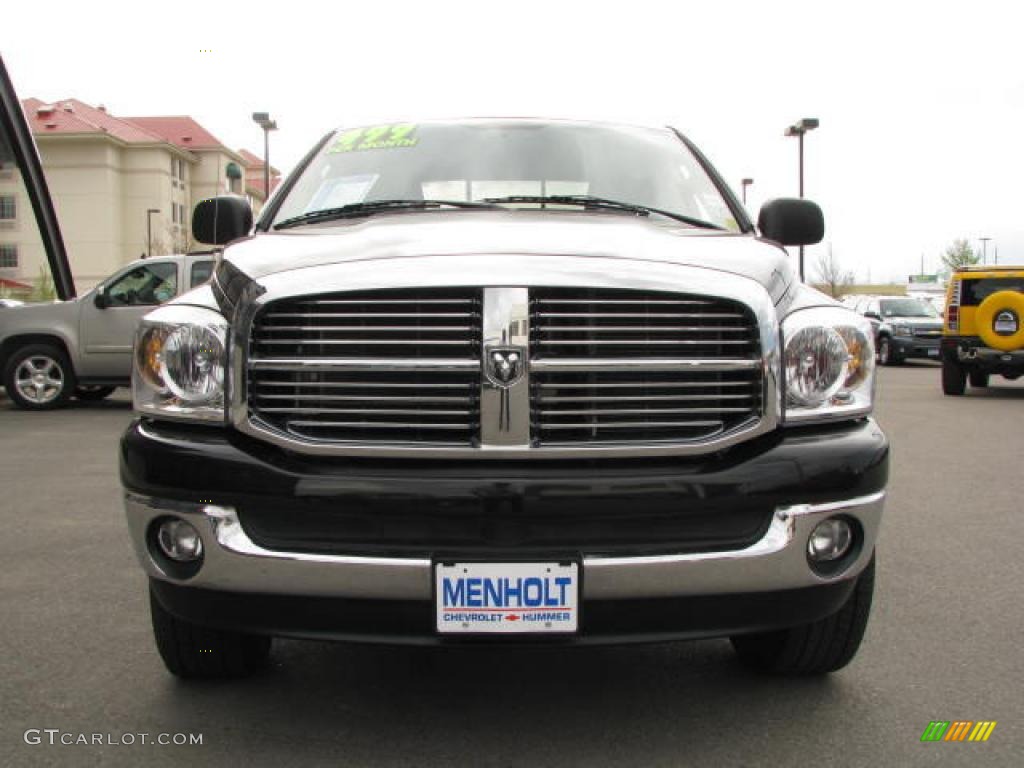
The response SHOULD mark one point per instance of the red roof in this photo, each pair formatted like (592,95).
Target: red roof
(180,130)
(255,163)
(14,285)
(74,116)
(252,160)
(255,185)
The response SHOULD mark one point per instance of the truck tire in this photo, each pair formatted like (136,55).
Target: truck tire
(954,378)
(817,648)
(39,377)
(93,394)
(886,354)
(194,652)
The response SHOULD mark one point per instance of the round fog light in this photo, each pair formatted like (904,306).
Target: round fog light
(180,541)
(830,540)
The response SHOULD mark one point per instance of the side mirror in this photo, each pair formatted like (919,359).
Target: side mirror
(873,315)
(791,221)
(219,220)
(100,299)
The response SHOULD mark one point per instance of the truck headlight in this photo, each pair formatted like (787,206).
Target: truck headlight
(179,362)
(829,365)
(902,330)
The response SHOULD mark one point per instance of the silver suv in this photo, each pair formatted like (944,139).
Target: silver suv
(83,347)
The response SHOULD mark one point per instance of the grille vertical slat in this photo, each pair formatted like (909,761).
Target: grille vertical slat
(616,366)
(374,367)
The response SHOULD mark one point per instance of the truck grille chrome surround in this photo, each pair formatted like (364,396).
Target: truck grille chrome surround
(674,360)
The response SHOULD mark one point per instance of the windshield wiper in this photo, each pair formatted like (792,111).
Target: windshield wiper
(590,201)
(375,206)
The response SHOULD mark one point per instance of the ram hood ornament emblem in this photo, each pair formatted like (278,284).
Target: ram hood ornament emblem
(504,365)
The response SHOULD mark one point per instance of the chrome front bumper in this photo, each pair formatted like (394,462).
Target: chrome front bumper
(233,563)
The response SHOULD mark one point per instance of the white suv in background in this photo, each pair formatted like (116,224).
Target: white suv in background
(83,347)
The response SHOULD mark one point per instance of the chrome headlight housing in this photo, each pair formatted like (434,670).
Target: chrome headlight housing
(828,365)
(179,363)
(902,330)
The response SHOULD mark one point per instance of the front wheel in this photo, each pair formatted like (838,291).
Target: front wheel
(39,377)
(954,378)
(819,647)
(886,354)
(194,652)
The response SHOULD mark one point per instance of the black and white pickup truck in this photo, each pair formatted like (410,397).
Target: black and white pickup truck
(505,381)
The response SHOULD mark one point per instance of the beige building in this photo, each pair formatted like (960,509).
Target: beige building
(122,187)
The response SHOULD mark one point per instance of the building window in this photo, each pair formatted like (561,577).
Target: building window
(8,207)
(8,256)
(174,213)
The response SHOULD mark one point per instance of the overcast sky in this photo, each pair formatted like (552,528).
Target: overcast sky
(921,105)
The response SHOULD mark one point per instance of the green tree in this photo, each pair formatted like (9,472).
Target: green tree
(959,254)
(44,290)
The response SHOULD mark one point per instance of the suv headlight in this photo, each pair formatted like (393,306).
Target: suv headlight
(179,361)
(902,330)
(829,365)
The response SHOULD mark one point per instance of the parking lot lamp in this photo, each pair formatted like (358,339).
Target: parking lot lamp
(745,183)
(262,119)
(798,129)
(984,249)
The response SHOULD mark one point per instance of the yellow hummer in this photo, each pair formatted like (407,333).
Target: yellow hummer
(983,329)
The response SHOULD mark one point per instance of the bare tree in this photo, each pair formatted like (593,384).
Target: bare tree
(832,278)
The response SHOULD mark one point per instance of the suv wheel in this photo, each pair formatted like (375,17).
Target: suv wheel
(954,377)
(886,354)
(817,648)
(39,377)
(194,652)
(978,379)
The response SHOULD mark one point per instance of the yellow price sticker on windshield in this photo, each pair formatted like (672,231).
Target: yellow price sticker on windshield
(393,136)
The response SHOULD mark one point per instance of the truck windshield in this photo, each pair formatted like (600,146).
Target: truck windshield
(479,160)
(907,308)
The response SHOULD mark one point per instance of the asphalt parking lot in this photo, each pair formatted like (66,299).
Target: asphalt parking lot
(944,641)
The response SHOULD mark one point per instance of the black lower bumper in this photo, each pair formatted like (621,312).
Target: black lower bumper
(913,347)
(402,622)
(699,499)
(422,508)
(972,353)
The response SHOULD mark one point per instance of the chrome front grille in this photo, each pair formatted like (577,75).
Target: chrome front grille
(640,366)
(605,371)
(377,367)
(601,323)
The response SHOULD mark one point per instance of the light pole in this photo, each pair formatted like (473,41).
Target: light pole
(262,119)
(745,183)
(149,230)
(984,249)
(798,129)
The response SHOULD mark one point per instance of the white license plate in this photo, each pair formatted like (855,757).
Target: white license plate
(507,598)
(933,353)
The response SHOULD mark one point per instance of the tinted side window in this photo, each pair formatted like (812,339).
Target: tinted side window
(147,284)
(201,271)
(973,292)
